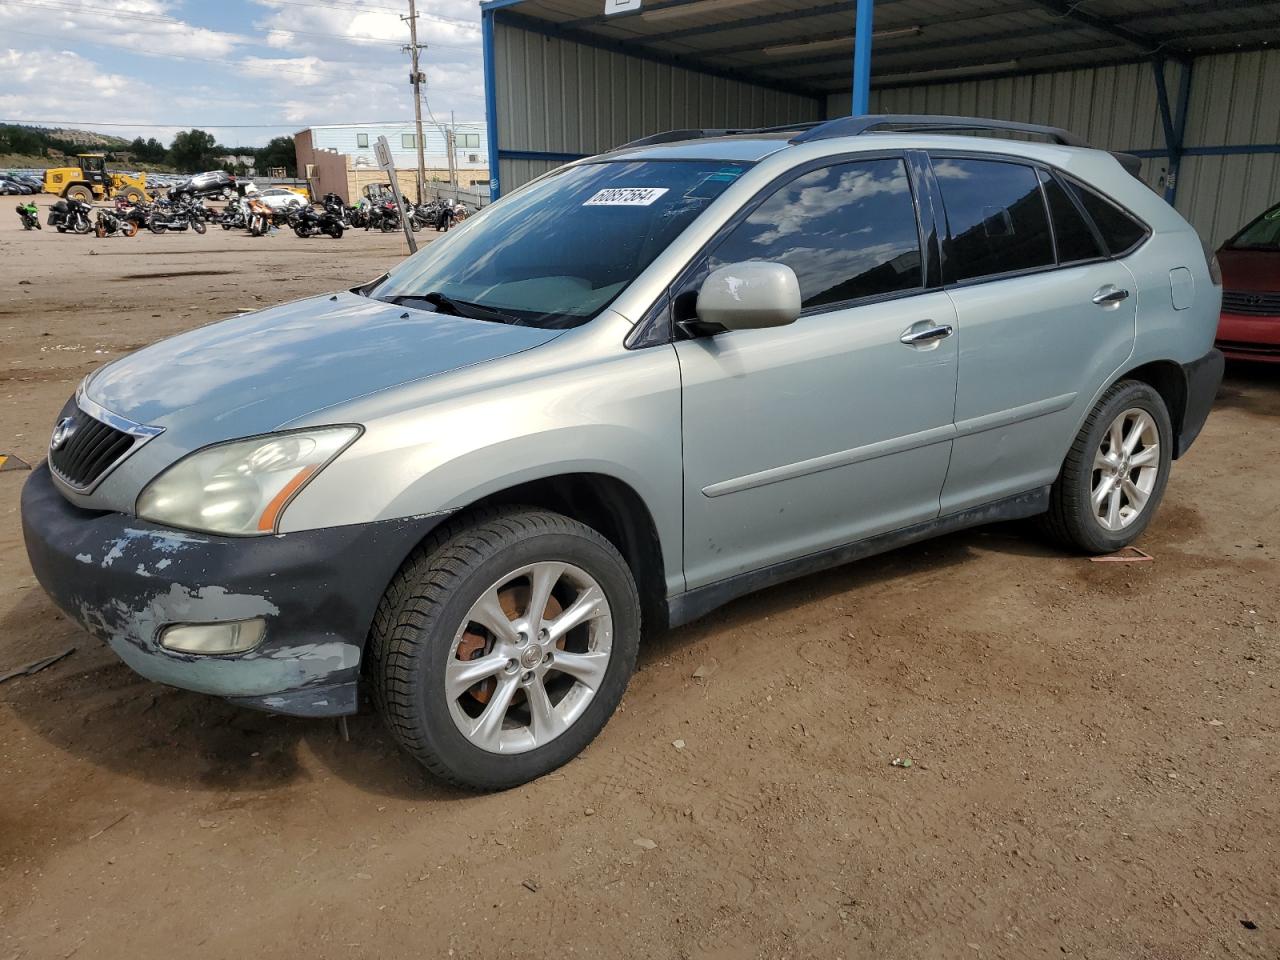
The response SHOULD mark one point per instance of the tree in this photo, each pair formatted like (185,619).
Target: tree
(279,152)
(192,151)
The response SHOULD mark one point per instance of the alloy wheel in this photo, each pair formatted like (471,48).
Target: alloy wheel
(1125,468)
(529,657)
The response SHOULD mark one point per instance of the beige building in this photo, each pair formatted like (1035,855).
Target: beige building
(339,158)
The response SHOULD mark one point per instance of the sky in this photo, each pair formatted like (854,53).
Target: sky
(244,70)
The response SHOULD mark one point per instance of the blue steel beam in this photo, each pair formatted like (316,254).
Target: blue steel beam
(862,29)
(490,99)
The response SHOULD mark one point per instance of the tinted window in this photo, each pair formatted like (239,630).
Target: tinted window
(1119,231)
(996,217)
(1076,239)
(848,231)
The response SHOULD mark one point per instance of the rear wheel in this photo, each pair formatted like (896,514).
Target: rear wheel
(335,231)
(129,228)
(157,227)
(1114,476)
(197,225)
(100,231)
(131,194)
(79,193)
(504,645)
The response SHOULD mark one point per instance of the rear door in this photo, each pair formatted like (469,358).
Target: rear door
(805,437)
(1045,319)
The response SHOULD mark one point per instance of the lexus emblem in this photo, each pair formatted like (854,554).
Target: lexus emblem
(62,433)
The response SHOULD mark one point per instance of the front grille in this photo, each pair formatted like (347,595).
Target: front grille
(90,449)
(1247,303)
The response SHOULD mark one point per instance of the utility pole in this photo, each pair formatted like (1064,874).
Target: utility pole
(416,77)
(451,142)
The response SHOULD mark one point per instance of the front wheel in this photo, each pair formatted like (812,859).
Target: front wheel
(504,645)
(1114,476)
(197,225)
(129,228)
(157,227)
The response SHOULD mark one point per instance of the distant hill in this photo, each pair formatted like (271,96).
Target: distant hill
(86,138)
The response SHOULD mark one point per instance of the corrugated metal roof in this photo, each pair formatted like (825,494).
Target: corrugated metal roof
(741,38)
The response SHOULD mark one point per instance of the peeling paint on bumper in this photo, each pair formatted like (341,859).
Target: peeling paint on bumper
(124,579)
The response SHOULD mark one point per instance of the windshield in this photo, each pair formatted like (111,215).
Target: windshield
(1262,234)
(558,252)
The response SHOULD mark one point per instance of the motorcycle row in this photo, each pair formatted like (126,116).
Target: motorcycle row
(249,213)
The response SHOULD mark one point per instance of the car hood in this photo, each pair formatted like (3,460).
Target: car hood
(1257,270)
(254,373)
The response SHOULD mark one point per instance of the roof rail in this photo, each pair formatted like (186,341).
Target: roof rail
(673,136)
(905,122)
(893,122)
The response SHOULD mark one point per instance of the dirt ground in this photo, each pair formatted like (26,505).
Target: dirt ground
(1095,770)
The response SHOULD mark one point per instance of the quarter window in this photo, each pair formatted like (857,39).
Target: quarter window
(1076,239)
(1120,232)
(848,231)
(996,217)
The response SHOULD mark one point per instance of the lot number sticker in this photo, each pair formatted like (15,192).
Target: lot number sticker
(626,197)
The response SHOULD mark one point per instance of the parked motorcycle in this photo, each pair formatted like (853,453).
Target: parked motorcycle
(174,217)
(29,214)
(70,216)
(307,222)
(113,224)
(234,217)
(138,214)
(259,216)
(358,216)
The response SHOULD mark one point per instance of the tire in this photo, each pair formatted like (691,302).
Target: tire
(421,619)
(83,227)
(78,193)
(1071,519)
(156,228)
(100,231)
(335,231)
(131,194)
(197,225)
(301,232)
(129,228)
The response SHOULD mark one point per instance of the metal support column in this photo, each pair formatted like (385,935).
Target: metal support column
(862,57)
(490,100)
(1173,120)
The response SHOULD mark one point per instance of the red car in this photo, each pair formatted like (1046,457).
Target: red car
(1250,262)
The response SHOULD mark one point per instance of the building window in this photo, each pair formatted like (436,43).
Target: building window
(407,141)
(469,140)
(362,140)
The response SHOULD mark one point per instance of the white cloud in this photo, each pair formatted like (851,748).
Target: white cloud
(26,93)
(141,26)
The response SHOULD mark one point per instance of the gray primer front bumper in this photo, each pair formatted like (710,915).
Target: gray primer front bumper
(123,579)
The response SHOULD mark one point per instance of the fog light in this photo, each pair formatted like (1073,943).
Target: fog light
(214,638)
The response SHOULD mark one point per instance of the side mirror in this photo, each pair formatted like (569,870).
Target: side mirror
(750,296)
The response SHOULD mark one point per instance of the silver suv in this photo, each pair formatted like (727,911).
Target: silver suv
(640,386)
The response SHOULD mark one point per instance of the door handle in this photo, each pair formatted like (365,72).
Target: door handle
(914,337)
(1110,295)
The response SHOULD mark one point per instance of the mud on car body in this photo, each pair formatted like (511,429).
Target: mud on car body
(634,389)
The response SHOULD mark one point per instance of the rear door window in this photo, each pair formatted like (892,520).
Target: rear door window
(848,231)
(1120,231)
(1074,234)
(995,215)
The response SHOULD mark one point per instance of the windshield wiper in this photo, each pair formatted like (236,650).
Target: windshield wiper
(459,308)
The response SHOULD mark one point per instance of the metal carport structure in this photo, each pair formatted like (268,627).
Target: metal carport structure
(1192,86)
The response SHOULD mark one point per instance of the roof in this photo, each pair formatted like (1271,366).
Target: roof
(806,46)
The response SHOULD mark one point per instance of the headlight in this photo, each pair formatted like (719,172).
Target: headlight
(241,487)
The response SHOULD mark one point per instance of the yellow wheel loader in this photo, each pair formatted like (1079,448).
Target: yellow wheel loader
(91,181)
